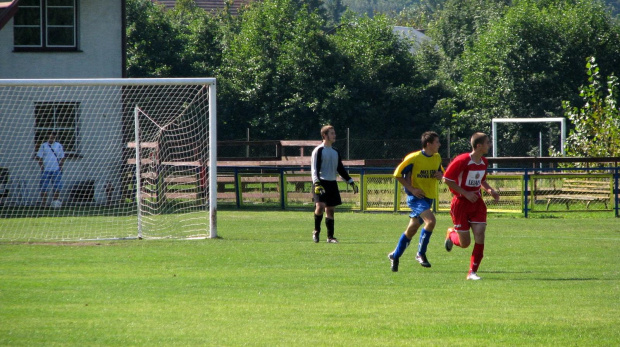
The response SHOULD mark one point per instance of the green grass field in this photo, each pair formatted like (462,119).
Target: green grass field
(546,281)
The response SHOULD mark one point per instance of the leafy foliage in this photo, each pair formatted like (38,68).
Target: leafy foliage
(276,71)
(285,67)
(459,23)
(200,53)
(419,15)
(182,42)
(152,42)
(284,77)
(377,95)
(529,60)
(333,11)
(379,7)
(597,122)
(455,26)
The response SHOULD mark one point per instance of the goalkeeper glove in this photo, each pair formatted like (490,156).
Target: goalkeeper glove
(318,189)
(354,186)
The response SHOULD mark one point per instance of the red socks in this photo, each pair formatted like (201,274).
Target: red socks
(454,236)
(476,256)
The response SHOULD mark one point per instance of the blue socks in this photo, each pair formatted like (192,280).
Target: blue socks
(402,244)
(425,237)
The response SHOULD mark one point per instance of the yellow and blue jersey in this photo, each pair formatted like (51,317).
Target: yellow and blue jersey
(420,169)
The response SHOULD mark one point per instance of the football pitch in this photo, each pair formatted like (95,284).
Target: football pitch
(546,281)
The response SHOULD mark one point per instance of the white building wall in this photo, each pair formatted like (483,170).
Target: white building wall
(99,55)
(100,144)
(99,52)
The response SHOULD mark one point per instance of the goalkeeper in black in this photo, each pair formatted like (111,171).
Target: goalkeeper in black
(326,166)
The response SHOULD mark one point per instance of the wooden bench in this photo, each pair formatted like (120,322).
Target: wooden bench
(580,190)
(226,190)
(252,187)
(173,186)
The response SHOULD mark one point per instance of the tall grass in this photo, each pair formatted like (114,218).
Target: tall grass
(546,281)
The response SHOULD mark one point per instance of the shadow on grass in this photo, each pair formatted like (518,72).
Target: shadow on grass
(569,279)
(539,278)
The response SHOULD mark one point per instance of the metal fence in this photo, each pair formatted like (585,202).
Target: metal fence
(363,148)
(522,191)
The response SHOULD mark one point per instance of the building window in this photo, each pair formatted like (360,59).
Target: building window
(45,25)
(59,117)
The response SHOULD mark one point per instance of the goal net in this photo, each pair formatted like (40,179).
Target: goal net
(94,159)
(528,137)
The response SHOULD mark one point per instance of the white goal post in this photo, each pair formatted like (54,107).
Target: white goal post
(561,120)
(94,159)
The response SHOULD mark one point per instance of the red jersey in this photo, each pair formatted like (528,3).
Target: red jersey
(468,174)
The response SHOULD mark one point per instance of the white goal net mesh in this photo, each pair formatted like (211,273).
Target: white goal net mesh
(106,159)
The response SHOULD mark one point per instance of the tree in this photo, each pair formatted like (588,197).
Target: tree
(614,6)
(454,25)
(530,60)
(378,93)
(284,77)
(458,24)
(418,15)
(199,32)
(333,11)
(596,130)
(379,7)
(152,41)
(276,72)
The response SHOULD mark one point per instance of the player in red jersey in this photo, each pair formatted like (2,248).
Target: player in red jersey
(465,175)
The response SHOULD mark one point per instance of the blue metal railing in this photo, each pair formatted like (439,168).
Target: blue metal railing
(525,172)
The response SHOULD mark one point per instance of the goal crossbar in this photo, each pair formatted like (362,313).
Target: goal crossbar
(107,81)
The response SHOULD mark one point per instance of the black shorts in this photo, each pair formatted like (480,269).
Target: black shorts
(332,194)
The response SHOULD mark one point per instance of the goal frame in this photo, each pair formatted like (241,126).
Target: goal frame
(561,120)
(212,109)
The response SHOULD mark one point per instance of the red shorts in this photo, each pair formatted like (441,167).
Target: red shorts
(464,213)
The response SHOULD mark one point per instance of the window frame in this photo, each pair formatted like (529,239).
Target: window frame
(45,27)
(71,148)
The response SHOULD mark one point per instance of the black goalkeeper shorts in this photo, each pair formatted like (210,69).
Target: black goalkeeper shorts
(331,196)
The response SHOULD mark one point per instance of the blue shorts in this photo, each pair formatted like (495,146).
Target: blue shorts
(418,206)
(53,177)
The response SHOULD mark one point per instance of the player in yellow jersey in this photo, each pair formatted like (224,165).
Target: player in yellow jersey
(419,173)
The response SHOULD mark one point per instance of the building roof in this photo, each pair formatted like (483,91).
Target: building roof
(416,36)
(210,5)
(7,11)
